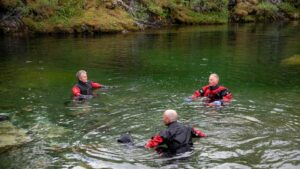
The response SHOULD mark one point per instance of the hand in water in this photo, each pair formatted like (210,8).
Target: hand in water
(85,97)
(215,103)
(104,87)
(188,99)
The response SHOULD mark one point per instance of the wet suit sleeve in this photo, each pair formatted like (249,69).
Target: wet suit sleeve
(197,133)
(154,141)
(199,93)
(227,96)
(76,91)
(96,85)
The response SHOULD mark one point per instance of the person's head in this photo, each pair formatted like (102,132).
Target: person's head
(169,116)
(82,76)
(213,79)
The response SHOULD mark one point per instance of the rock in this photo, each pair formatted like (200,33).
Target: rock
(241,13)
(88,4)
(245,6)
(3,117)
(253,2)
(293,60)
(110,4)
(49,130)
(275,1)
(11,136)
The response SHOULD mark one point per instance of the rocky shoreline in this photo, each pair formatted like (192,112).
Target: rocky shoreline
(104,16)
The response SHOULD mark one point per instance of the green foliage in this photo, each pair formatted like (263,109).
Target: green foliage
(140,12)
(209,5)
(267,11)
(154,8)
(295,3)
(10,4)
(267,7)
(286,7)
(47,8)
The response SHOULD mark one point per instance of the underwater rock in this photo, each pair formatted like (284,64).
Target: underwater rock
(3,117)
(49,130)
(293,60)
(11,136)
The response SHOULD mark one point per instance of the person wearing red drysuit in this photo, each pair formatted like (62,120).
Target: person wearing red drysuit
(217,95)
(84,88)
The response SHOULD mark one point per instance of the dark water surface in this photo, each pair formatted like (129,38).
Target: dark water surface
(148,72)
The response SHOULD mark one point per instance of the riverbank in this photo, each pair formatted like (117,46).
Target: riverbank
(99,16)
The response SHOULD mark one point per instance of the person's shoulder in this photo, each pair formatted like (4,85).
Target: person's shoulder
(223,87)
(164,133)
(205,87)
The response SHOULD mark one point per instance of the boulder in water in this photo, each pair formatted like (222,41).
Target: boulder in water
(126,139)
(11,136)
(293,60)
(3,117)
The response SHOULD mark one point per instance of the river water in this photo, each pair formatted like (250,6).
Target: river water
(147,73)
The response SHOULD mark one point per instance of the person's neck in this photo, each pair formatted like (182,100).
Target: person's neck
(214,87)
(82,82)
(173,122)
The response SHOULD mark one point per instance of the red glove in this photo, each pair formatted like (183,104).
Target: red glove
(154,142)
(199,133)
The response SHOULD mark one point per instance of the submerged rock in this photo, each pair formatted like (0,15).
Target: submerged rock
(293,60)
(3,117)
(11,136)
(49,130)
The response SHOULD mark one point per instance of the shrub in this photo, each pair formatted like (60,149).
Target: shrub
(267,10)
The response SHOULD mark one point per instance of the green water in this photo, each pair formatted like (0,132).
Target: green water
(148,72)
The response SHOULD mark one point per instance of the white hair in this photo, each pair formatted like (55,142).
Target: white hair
(215,75)
(171,114)
(79,73)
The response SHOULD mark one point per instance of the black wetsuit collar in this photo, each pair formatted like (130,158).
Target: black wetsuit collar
(214,87)
(172,123)
(81,82)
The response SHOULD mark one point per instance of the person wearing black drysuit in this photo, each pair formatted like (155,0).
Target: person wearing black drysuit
(177,137)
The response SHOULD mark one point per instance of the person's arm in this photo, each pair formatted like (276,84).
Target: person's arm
(154,141)
(227,96)
(196,94)
(197,133)
(96,85)
(76,91)
(199,93)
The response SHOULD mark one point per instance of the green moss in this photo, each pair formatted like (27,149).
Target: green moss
(289,9)
(267,6)
(267,11)
(10,4)
(249,18)
(190,17)
(110,16)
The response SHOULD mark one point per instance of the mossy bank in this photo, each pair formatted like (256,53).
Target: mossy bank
(97,16)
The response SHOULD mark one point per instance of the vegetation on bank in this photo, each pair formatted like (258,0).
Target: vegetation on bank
(71,16)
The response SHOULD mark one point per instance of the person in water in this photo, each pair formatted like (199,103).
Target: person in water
(84,88)
(177,137)
(217,95)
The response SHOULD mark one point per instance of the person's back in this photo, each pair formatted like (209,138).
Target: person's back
(178,138)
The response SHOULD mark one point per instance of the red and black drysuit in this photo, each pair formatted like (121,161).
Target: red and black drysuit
(83,89)
(177,138)
(214,93)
